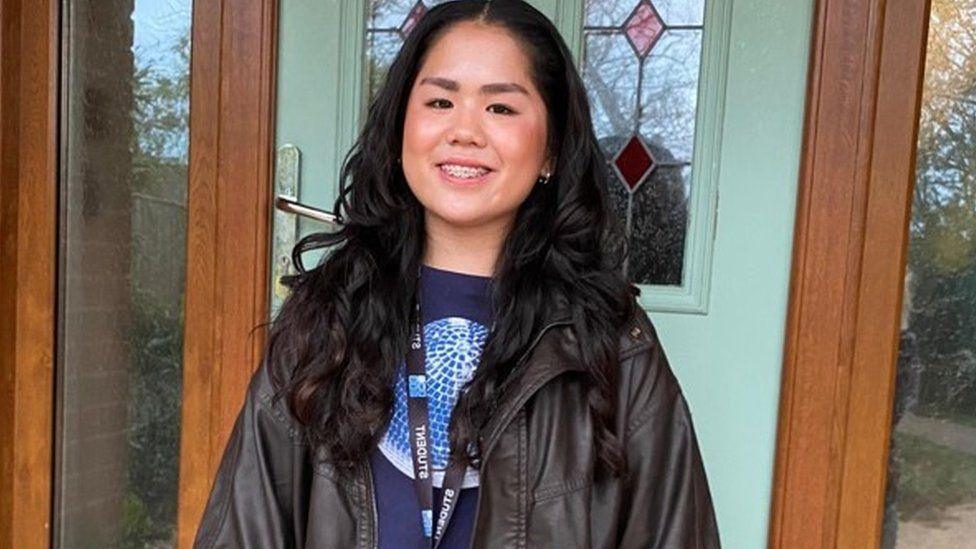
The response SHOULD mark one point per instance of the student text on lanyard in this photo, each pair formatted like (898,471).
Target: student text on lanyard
(420,439)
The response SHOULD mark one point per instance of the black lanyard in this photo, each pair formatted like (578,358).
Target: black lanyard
(421,442)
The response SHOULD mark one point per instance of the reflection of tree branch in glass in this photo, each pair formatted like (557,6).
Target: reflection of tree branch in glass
(931,498)
(656,213)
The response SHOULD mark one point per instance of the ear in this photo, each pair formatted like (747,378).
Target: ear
(549,165)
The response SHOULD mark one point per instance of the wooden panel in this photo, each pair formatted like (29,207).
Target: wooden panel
(200,315)
(899,99)
(847,273)
(231,125)
(817,357)
(28,214)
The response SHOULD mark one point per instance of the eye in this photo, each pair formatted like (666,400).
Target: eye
(433,101)
(510,111)
(506,110)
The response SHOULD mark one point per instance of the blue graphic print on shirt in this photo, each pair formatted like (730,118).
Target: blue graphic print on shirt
(454,346)
(455,313)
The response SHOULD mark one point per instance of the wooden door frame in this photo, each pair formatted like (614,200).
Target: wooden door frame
(851,237)
(232,95)
(29,60)
(231,146)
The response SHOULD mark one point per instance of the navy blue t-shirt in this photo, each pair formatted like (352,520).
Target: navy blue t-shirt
(456,316)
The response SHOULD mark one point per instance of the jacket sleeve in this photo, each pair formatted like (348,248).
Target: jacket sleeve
(668,502)
(252,499)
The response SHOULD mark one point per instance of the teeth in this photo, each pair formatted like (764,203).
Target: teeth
(463,171)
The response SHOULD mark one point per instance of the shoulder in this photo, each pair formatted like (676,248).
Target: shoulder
(646,382)
(265,399)
(638,334)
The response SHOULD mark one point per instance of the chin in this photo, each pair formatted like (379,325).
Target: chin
(462,219)
(460,213)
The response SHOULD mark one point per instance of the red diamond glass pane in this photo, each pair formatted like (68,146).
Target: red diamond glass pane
(418,11)
(643,28)
(634,162)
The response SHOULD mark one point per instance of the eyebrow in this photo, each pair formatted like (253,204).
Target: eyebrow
(498,87)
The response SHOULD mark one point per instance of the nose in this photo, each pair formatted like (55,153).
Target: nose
(466,128)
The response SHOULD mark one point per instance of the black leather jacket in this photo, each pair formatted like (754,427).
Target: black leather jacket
(537,487)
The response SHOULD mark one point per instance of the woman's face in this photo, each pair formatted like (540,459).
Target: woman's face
(453,118)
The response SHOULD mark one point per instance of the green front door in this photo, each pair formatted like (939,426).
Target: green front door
(698,106)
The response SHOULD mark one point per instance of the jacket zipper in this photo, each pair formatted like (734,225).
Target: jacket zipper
(521,401)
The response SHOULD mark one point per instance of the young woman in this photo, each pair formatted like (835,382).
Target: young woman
(466,367)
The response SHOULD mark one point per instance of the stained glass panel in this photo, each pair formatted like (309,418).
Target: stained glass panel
(669,92)
(643,28)
(641,65)
(681,12)
(633,162)
(610,74)
(658,217)
(601,13)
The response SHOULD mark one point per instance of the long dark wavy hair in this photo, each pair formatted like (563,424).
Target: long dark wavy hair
(334,346)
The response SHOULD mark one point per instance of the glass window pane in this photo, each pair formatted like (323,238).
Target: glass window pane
(641,62)
(390,14)
(931,490)
(607,13)
(659,215)
(681,12)
(124,148)
(382,49)
(669,93)
(610,73)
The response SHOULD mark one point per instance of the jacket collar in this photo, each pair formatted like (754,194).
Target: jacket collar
(551,352)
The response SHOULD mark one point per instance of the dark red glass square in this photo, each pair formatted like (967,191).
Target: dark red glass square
(634,162)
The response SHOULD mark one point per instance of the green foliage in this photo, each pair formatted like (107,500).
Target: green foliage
(931,478)
(942,250)
(160,157)
(136,524)
(154,423)
(162,99)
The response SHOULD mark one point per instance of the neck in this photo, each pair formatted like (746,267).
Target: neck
(471,250)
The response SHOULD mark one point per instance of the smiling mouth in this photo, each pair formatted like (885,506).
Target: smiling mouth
(464,172)
(466,176)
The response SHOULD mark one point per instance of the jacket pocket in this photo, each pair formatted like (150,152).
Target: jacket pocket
(557,489)
(559,514)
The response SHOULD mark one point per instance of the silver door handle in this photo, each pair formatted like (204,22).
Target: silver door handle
(287,205)
(285,223)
